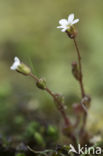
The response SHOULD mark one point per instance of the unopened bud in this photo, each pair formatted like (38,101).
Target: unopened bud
(75,70)
(71,32)
(41,84)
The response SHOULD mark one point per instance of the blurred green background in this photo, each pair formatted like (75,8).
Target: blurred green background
(28,31)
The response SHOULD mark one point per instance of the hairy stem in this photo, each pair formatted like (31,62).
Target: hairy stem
(59,103)
(80,69)
(81,84)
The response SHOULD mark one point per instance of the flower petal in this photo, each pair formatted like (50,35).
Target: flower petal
(75,21)
(15,64)
(60,26)
(63,30)
(63,22)
(70,18)
(16,59)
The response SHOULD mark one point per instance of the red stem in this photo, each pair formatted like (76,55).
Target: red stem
(80,69)
(81,86)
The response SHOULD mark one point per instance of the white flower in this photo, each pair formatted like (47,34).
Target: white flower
(66,24)
(20,67)
(16,64)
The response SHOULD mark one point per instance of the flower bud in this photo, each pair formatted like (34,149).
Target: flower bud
(75,71)
(41,84)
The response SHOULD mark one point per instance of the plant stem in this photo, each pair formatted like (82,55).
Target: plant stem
(81,85)
(80,69)
(60,107)
(59,103)
(63,113)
